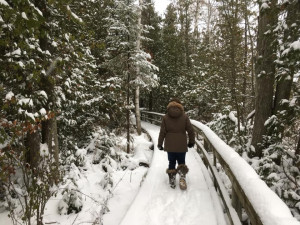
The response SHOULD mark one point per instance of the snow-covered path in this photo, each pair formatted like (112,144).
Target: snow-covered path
(157,204)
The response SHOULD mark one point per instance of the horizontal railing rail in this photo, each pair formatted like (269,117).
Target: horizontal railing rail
(213,150)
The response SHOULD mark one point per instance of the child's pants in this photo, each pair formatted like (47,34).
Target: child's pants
(176,156)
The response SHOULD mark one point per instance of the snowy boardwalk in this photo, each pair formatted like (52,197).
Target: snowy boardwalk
(157,204)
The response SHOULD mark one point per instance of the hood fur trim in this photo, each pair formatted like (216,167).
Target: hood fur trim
(175,104)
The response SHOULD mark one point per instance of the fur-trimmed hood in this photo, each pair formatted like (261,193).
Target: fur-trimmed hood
(175,109)
(173,129)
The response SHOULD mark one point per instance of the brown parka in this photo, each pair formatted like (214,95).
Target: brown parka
(173,129)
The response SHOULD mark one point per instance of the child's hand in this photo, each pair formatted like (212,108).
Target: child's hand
(190,145)
(160,147)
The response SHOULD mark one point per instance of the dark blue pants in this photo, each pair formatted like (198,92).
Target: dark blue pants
(176,156)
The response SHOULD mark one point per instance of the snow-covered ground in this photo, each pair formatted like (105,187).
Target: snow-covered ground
(130,183)
(105,199)
(111,202)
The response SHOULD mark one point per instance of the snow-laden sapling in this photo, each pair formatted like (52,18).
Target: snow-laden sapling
(71,201)
(101,145)
(27,188)
(74,155)
(107,182)
(72,197)
(226,126)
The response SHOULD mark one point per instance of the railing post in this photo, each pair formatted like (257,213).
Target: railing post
(236,203)
(215,165)
(142,116)
(206,144)
(215,158)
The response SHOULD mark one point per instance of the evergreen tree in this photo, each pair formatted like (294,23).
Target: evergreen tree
(151,44)
(123,57)
(170,60)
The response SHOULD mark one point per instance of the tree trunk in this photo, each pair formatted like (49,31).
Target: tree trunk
(234,68)
(196,19)
(182,17)
(209,15)
(128,112)
(137,111)
(233,84)
(150,104)
(186,37)
(252,69)
(137,90)
(265,73)
(285,81)
(49,127)
(32,144)
(283,90)
(245,74)
(298,145)
(128,93)
(55,150)
(49,137)
(128,107)
(231,19)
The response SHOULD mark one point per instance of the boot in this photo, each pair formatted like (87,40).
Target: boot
(182,171)
(172,177)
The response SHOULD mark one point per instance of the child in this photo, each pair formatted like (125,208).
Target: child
(173,133)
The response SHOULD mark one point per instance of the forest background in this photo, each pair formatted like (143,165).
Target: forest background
(69,67)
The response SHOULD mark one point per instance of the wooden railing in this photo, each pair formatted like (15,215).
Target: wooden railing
(211,156)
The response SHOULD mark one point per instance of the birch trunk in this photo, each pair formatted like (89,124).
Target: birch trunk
(196,20)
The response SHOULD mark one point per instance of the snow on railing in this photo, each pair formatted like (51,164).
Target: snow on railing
(261,204)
